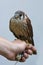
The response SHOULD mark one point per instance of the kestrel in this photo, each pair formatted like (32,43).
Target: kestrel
(21,26)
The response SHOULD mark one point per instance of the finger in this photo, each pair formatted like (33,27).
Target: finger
(30,52)
(22,59)
(26,55)
(30,46)
(34,50)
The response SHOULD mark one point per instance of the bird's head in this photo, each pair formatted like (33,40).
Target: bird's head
(19,15)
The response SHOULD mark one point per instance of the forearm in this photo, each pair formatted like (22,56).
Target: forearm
(4,46)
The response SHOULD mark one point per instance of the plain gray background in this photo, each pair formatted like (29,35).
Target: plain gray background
(34,9)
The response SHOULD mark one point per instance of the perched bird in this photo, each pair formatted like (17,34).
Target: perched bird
(21,26)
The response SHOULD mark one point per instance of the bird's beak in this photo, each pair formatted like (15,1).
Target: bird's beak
(17,17)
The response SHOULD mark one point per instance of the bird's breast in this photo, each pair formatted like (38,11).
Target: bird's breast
(17,27)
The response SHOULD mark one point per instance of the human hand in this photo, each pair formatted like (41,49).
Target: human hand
(11,49)
(23,47)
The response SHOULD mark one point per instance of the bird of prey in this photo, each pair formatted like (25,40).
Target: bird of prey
(20,25)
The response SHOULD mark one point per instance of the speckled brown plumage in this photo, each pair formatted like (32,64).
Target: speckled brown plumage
(21,26)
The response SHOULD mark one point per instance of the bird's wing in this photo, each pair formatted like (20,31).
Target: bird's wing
(25,28)
(30,31)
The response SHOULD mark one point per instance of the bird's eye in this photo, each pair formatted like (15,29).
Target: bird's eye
(20,15)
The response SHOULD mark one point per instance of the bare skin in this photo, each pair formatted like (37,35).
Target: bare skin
(11,49)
